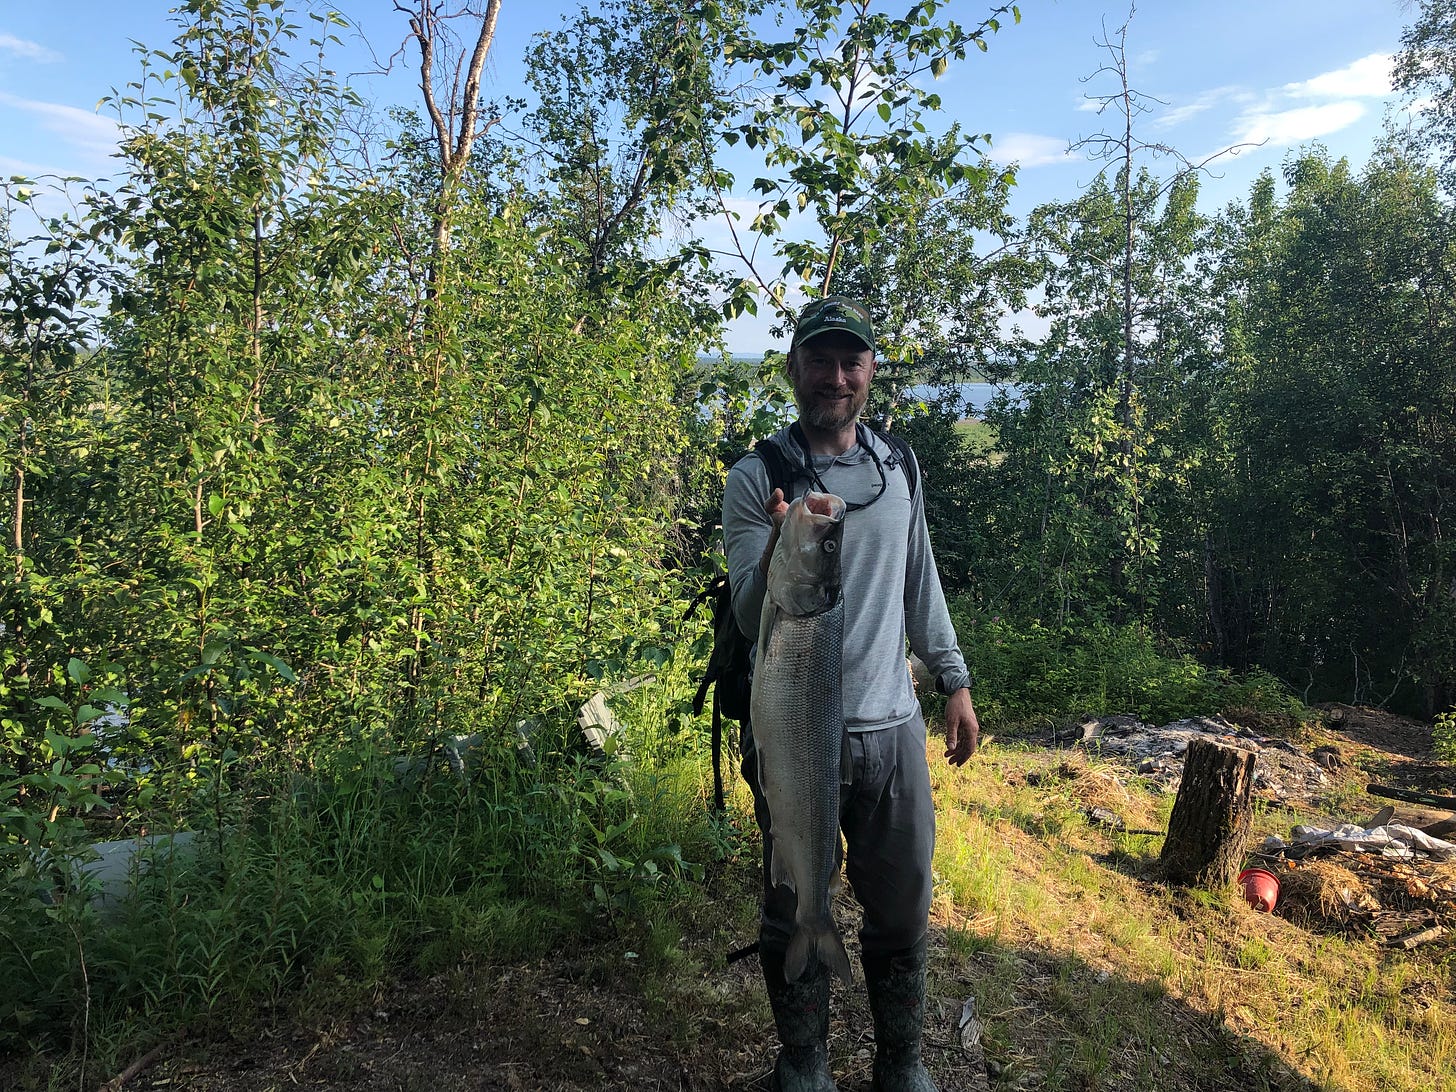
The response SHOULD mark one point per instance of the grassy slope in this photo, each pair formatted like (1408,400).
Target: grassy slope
(1086,973)
(1100,978)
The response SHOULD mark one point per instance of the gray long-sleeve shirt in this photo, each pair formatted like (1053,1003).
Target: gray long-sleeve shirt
(891,589)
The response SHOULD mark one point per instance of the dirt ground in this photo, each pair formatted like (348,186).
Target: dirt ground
(592,1019)
(527,1027)
(1394,751)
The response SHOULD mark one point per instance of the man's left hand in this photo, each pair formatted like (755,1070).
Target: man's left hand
(962,728)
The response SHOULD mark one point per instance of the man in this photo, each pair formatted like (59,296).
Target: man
(891,593)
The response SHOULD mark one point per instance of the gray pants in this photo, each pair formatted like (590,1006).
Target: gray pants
(888,819)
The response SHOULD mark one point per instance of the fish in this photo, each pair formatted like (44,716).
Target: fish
(797,713)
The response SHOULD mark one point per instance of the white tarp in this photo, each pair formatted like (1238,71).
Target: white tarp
(1390,840)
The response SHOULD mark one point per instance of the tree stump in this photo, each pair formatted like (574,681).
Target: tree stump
(1208,831)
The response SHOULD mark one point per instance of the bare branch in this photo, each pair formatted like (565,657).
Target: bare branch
(472,79)
(454,143)
(422,26)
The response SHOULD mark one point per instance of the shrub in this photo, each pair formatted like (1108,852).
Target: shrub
(1443,737)
(1030,673)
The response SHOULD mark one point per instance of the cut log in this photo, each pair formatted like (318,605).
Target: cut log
(1416,939)
(1208,832)
(1431,800)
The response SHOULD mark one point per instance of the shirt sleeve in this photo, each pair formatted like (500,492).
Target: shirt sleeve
(746,531)
(927,618)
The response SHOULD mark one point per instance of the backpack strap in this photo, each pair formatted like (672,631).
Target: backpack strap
(719,594)
(716,590)
(776,463)
(780,473)
(902,455)
(720,805)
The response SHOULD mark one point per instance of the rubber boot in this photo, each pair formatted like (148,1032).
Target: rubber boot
(896,985)
(801,1015)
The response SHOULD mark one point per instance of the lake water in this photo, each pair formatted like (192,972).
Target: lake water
(975,395)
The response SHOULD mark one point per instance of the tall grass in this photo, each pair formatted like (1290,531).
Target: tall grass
(365,865)
(1086,972)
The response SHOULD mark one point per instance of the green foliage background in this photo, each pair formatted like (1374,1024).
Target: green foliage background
(338,477)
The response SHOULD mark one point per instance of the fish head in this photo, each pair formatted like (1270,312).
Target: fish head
(803,574)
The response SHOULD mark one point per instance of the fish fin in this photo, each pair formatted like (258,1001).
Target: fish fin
(825,944)
(833,955)
(779,874)
(767,618)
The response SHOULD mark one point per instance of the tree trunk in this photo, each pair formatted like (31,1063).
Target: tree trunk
(1213,590)
(1208,831)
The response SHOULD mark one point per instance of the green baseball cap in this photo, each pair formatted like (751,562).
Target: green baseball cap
(834,313)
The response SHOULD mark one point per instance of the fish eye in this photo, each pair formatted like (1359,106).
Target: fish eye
(830,546)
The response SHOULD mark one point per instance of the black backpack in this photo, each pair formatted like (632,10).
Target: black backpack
(730,668)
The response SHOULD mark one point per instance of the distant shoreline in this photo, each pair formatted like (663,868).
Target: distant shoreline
(975,376)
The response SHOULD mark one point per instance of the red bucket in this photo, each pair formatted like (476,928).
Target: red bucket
(1261,889)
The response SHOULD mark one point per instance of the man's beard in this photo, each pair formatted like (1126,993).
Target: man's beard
(834,416)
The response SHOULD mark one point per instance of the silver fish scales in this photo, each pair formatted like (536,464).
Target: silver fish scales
(797,714)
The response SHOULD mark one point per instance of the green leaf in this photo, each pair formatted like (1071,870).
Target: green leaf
(271,661)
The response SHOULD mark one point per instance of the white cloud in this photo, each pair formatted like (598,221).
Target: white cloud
(1286,115)
(1272,115)
(83,129)
(1177,115)
(1201,103)
(24,168)
(30,51)
(746,208)
(1369,77)
(1283,127)
(1029,149)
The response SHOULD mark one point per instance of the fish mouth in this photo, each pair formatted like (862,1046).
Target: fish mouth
(825,506)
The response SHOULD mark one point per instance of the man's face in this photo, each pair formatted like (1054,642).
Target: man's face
(831,375)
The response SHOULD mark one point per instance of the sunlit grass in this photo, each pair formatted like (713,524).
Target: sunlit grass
(1338,1011)
(1087,972)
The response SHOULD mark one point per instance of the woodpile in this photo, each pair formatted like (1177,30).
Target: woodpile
(1402,903)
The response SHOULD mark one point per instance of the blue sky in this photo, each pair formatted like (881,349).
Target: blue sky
(1225,71)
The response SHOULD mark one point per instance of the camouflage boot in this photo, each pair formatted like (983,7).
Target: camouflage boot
(801,1015)
(896,984)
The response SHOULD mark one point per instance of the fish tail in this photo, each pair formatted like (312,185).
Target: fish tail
(821,941)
